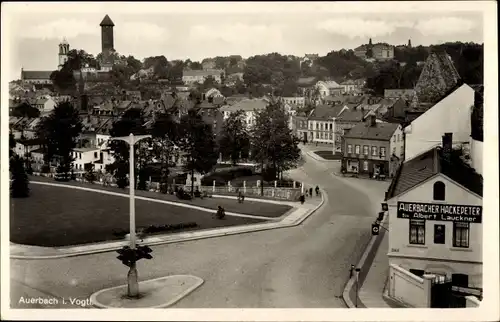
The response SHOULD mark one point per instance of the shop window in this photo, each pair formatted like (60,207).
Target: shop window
(439,191)
(461,234)
(349,148)
(439,234)
(418,272)
(461,280)
(357,149)
(417,232)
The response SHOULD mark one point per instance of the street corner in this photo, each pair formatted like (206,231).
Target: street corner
(155,293)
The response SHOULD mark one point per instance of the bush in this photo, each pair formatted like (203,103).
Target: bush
(156,229)
(19,187)
(45,168)
(90,175)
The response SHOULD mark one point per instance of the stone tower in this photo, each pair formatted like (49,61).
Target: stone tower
(63,53)
(107,39)
(409,43)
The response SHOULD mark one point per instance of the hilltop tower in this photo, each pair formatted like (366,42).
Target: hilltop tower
(107,39)
(63,53)
(370,42)
(409,43)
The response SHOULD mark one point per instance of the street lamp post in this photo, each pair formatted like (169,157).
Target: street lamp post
(133,285)
(357,285)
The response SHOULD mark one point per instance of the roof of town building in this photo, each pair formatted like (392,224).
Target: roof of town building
(30,142)
(331,84)
(85,149)
(438,76)
(423,167)
(36,74)
(324,112)
(306,81)
(352,115)
(380,131)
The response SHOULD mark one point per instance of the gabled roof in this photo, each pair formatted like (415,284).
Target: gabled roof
(330,84)
(421,168)
(380,131)
(352,115)
(326,112)
(107,22)
(438,76)
(36,74)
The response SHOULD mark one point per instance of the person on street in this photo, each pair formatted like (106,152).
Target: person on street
(311,192)
(220,213)
(317,191)
(302,199)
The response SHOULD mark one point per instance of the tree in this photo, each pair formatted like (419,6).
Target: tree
(164,132)
(272,141)
(209,83)
(25,110)
(12,144)
(196,65)
(19,186)
(197,141)
(134,64)
(60,131)
(64,79)
(132,121)
(90,174)
(234,140)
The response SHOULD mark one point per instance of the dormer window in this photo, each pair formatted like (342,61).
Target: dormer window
(439,191)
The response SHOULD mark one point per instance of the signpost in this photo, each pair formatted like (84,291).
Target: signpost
(440,212)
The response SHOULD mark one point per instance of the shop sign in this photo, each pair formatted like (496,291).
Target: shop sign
(440,212)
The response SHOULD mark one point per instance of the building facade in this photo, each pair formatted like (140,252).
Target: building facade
(199,76)
(321,123)
(373,148)
(451,114)
(435,215)
(300,127)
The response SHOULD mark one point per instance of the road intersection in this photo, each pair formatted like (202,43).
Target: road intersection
(305,266)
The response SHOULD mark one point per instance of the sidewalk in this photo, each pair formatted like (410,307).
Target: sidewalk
(372,290)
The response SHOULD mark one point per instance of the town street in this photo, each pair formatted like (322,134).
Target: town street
(306,266)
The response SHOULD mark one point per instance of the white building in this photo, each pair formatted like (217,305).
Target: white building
(199,76)
(100,157)
(435,220)
(298,101)
(451,115)
(45,105)
(248,106)
(327,88)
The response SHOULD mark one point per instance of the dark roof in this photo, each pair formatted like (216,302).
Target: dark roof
(36,74)
(39,150)
(381,131)
(107,22)
(306,81)
(30,142)
(352,115)
(423,167)
(326,112)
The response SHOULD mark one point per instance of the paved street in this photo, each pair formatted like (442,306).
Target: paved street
(305,266)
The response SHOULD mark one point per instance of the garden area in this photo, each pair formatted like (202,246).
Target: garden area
(58,216)
(329,155)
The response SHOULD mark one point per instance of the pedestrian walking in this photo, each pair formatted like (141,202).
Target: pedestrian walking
(311,192)
(317,191)
(302,199)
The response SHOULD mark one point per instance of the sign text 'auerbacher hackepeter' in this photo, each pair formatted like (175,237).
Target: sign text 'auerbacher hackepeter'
(439,212)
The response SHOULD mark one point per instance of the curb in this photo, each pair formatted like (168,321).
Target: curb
(318,158)
(209,233)
(364,264)
(93,297)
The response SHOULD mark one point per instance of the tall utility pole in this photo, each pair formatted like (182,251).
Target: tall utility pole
(133,285)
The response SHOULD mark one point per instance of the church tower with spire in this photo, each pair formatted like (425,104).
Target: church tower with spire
(63,53)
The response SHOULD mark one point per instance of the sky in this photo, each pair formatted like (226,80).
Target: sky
(201,30)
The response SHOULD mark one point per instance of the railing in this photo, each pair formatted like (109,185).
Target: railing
(283,193)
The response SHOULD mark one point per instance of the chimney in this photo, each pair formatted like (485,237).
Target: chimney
(447,146)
